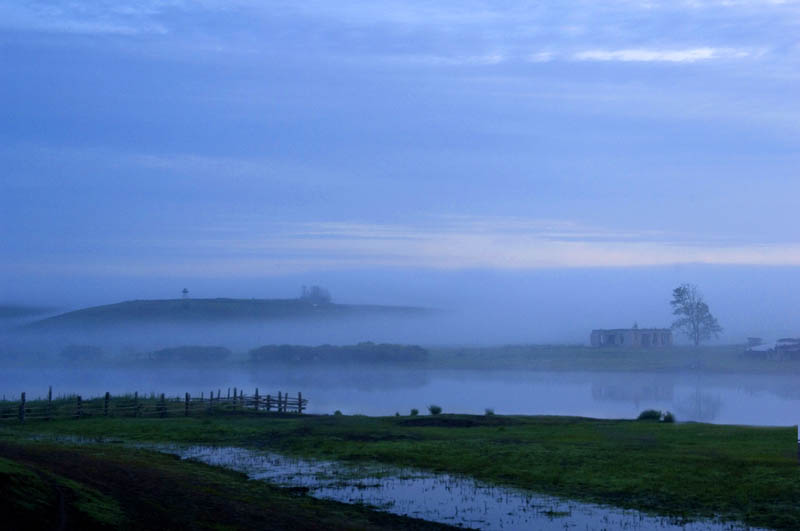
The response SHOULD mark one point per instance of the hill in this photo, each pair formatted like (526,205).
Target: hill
(213,311)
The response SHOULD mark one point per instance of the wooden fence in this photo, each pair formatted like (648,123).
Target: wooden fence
(152,405)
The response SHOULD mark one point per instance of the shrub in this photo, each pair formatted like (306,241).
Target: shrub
(434,409)
(414,412)
(668,417)
(650,414)
(337,412)
(489,412)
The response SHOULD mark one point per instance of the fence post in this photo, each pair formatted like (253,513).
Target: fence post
(229,393)
(105,403)
(50,403)
(219,394)
(241,399)
(235,395)
(257,399)
(136,403)
(79,411)
(269,402)
(211,400)
(163,406)
(186,406)
(299,402)
(280,402)
(22,407)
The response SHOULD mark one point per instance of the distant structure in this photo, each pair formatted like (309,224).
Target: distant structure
(632,337)
(315,295)
(787,348)
(754,342)
(185,293)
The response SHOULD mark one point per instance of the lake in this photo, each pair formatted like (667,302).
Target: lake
(755,399)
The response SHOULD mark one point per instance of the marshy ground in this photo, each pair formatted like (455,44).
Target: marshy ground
(688,470)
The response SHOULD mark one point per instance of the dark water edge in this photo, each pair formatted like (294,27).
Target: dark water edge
(755,399)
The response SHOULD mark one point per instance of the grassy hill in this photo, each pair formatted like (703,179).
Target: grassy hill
(214,310)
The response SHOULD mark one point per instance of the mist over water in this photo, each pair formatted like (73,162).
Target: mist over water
(718,398)
(478,307)
(514,174)
(467,308)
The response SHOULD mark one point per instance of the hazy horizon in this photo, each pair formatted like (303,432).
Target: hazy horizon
(541,169)
(491,307)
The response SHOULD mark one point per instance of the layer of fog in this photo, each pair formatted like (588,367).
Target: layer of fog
(475,307)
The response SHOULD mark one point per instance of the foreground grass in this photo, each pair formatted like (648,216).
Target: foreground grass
(691,470)
(48,486)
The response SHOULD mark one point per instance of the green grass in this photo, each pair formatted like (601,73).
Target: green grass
(686,469)
(52,486)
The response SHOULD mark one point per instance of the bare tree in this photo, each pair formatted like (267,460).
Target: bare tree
(694,317)
(316,295)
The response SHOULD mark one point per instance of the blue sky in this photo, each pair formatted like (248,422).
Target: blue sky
(238,139)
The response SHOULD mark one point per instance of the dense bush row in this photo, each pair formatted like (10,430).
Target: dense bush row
(362,352)
(191,353)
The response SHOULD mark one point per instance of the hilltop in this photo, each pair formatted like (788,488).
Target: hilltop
(214,311)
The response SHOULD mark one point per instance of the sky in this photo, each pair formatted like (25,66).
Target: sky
(146,146)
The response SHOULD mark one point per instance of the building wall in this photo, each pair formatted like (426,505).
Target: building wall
(632,337)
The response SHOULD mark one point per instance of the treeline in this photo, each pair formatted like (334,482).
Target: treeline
(191,353)
(366,352)
(362,353)
(196,353)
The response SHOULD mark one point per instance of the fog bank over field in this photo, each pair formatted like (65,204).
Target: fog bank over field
(470,307)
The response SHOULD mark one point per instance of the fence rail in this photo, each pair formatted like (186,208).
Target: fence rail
(154,405)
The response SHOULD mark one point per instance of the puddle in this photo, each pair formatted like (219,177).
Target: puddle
(454,500)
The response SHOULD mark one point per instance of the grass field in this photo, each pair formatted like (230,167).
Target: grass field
(692,470)
(49,486)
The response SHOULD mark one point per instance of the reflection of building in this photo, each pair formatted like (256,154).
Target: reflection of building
(632,337)
(699,406)
(636,393)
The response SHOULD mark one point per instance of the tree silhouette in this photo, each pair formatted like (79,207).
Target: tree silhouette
(316,295)
(694,318)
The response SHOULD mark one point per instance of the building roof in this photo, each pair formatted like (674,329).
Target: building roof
(632,330)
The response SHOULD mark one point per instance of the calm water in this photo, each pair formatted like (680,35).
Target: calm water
(729,399)
(441,498)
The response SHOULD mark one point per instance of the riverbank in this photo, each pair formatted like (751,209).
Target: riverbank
(56,486)
(688,470)
(722,359)
(704,359)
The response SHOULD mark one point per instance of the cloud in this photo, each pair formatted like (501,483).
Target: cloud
(689,55)
(487,59)
(445,243)
(515,243)
(541,57)
(124,19)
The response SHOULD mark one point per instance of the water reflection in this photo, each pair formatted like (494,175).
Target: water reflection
(699,406)
(444,498)
(722,398)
